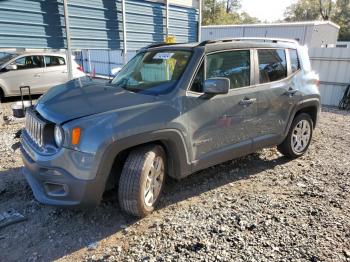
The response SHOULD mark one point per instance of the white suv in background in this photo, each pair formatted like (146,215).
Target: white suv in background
(38,70)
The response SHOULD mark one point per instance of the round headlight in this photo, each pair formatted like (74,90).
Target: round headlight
(58,135)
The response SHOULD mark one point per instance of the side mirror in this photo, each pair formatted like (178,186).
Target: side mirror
(11,67)
(114,71)
(216,86)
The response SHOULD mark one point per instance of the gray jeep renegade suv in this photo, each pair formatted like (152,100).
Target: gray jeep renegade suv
(171,111)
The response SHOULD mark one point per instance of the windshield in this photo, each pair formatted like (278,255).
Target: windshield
(5,57)
(153,72)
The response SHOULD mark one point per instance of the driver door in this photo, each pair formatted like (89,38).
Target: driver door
(220,126)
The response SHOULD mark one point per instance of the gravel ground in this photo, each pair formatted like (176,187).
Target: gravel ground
(262,207)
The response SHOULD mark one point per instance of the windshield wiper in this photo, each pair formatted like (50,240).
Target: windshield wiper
(131,89)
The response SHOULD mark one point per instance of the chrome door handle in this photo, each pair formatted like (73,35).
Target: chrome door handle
(247,101)
(37,75)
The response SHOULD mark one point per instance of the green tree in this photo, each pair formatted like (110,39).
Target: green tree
(326,7)
(303,10)
(342,18)
(212,10)
(245,18)
(307,10)
(220,12)
(232,5)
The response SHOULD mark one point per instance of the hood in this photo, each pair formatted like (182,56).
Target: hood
(82,97)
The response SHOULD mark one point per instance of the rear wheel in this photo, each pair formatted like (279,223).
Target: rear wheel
(142,180)
(2,95)
(299,137)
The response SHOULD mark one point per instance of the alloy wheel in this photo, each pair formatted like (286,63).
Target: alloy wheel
(154,181)
(301,136)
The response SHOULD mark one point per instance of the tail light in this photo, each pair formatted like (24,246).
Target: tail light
(318,84)
(80,68)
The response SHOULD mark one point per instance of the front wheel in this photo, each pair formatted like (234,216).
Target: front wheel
(142,180)
(299,137)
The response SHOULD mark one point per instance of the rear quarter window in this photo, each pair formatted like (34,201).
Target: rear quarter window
(294,60)
(304,58)
(272,65)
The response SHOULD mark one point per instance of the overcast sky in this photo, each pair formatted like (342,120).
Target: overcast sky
(269,10)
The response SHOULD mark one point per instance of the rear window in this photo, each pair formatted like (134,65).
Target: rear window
(272,65)
(294,60)
(54,61)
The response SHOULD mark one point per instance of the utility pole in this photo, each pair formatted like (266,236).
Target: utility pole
(166,19)
(199,20)
(69,48)
(125,43)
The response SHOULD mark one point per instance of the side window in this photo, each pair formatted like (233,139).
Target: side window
(29,62)
(54,61)
(234,65)
(294,60)
(198,82)
(272,65)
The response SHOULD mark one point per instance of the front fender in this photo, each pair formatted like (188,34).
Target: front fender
(178,164)
(3,89)
(173,141)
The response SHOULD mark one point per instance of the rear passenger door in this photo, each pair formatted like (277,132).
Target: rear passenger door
(277,94)
(55,72)
(28,73)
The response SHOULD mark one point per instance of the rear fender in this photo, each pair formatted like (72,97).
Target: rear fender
(311,102)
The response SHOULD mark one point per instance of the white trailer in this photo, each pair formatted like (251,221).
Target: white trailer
(312,34)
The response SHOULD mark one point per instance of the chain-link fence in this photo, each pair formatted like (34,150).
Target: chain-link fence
(101,62)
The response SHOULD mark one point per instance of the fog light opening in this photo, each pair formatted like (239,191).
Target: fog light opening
(53,189)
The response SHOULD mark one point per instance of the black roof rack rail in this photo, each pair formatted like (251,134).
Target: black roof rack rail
(157,45)
(225,40)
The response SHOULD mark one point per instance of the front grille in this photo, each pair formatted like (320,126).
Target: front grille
(35,128)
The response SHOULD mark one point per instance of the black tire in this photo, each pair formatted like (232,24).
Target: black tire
(2,95)
(286,146)
(134,180)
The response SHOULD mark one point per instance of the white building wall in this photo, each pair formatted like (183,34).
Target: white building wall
(324,34)
(333,67)
(305,33)
(186,3)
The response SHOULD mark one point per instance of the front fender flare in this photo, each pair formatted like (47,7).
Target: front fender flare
(178,161)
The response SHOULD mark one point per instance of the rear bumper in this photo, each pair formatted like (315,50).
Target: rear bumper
(56,186)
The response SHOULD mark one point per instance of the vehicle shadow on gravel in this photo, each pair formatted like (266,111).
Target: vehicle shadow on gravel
(65,231)
(50,233)
(239,169)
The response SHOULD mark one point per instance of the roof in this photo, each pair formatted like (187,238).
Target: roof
(228,43)
(53,53)
(276,24)
(246,45)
